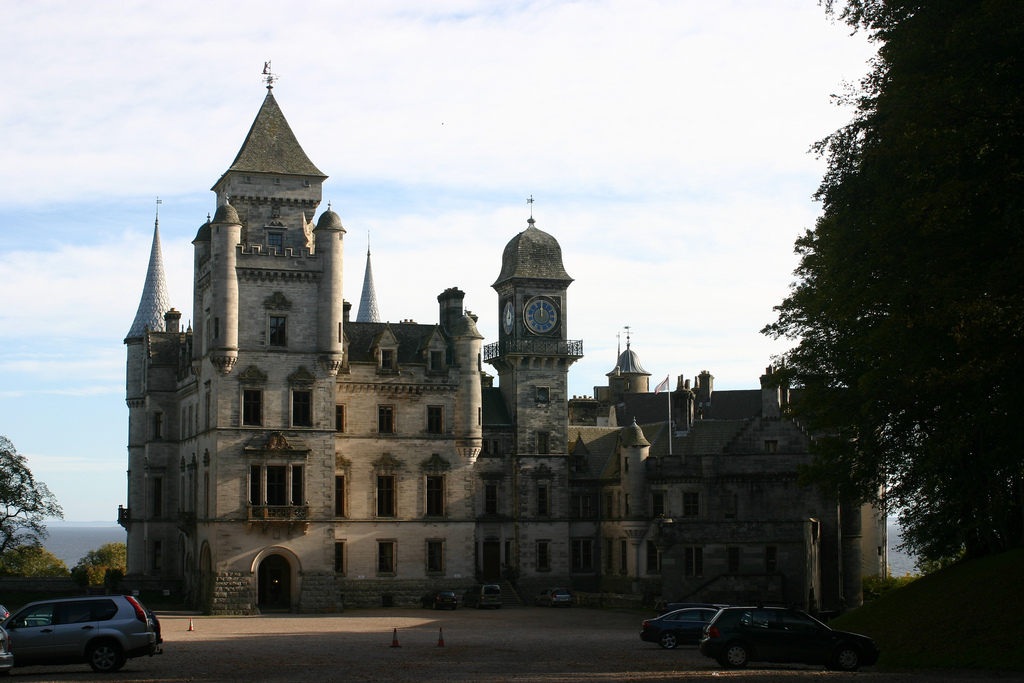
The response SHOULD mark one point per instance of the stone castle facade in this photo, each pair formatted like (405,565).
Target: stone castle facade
(283,456)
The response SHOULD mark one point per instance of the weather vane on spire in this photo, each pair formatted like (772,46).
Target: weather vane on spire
(530,202)
(158,203)
(627,328)
(268,76)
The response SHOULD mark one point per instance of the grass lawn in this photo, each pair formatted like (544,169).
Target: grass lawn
(966,616)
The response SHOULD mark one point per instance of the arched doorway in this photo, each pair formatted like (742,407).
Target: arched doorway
(205,579)
(274,584)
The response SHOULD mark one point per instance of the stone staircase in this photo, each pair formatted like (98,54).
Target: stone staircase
(509,597)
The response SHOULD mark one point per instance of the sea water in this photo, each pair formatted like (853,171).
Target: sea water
(72,543)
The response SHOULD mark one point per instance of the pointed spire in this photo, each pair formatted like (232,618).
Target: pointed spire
(368,312)
(271,146)
(155,301)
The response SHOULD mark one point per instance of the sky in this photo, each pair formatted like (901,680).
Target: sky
(665,143)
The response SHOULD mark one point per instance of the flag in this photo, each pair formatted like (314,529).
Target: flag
(663,386)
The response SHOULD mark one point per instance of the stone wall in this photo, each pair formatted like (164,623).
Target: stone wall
(232,594)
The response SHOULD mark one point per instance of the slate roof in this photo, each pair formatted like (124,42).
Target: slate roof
(532,253)
(271,146)
(629,364)
(738,404)
(600,445)
(412,338)
(644,408)
(155,300)
(495,412)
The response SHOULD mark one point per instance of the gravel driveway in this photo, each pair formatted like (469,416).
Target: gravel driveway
(524,644)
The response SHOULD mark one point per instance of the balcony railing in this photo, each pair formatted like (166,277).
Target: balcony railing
(545,347)
(278,513)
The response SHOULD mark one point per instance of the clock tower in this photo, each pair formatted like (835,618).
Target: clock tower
(533,354)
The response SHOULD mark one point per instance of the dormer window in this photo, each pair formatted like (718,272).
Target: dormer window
(436,361)
(275,242)
(387,360)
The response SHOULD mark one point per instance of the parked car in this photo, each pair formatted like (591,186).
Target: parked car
(738,635)
(4,613)
(483,595)
(666,607)
(102,631)
(553,597)
(440,600)
(683,626)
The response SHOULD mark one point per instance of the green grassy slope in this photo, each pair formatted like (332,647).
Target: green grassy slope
(969,615)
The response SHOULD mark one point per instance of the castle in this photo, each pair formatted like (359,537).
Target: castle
(283,456)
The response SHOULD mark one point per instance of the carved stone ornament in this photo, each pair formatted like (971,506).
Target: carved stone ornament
(435,464)
(386,463)
(252,374)
(302,376)
(543,471)
(277,301)
(341,464)
(277,442)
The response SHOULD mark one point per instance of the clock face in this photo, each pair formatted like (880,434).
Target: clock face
(508,317)
(541,316)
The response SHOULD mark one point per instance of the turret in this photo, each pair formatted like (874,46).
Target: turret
(368,312)
(225,235)
(330,236)
(635,449)
(469,400)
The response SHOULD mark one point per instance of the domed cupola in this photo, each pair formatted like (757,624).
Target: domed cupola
(532,254)
(628,376)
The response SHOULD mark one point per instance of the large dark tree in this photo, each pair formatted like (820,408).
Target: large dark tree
(908,307)
(24,502)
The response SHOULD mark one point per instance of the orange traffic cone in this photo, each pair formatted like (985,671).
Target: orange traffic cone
(440,637)
(394,639)
(191,627)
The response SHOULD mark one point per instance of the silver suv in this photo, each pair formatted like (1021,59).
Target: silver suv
(103,631)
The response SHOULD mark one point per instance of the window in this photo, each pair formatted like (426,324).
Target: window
(625,463)
(542,443)
(734,560)
(435,419)
(626,505)
(206,411)
(158,556)
(158,426)
(657,504)
(543,504)
(386,419)
(543,556)
(435,557)
(693,561)
(771,559)
(771,446)
(275,242)
(691,504)
(277,485)
(543,394)
(385,496)
(385,557)
(302,408)
(609,544)
(278,330)
(216,328)
(436,363)
(158,496)
(653,558)
(339,557)
(297,485)
(581,506)
(387,359)
(435,496)
(255,485)
(491,499)
(252,407)
(339,418)
(339,496)
(623,557)
(582,552)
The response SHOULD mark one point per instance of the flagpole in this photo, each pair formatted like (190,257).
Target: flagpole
(668,395)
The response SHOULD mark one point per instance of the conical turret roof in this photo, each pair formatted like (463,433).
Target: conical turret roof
(271,146)
(155,302)
(368,312)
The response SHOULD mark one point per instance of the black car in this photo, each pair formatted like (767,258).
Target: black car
(738,635)
(666,607)
(440,600)
(683,626)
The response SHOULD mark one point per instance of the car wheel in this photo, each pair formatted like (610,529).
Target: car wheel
(105,657)
(668,640)
(735,656)
(846,658)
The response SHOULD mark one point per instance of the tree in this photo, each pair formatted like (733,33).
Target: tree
(24,502)
(109,560)
(908,309)
(31,560)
